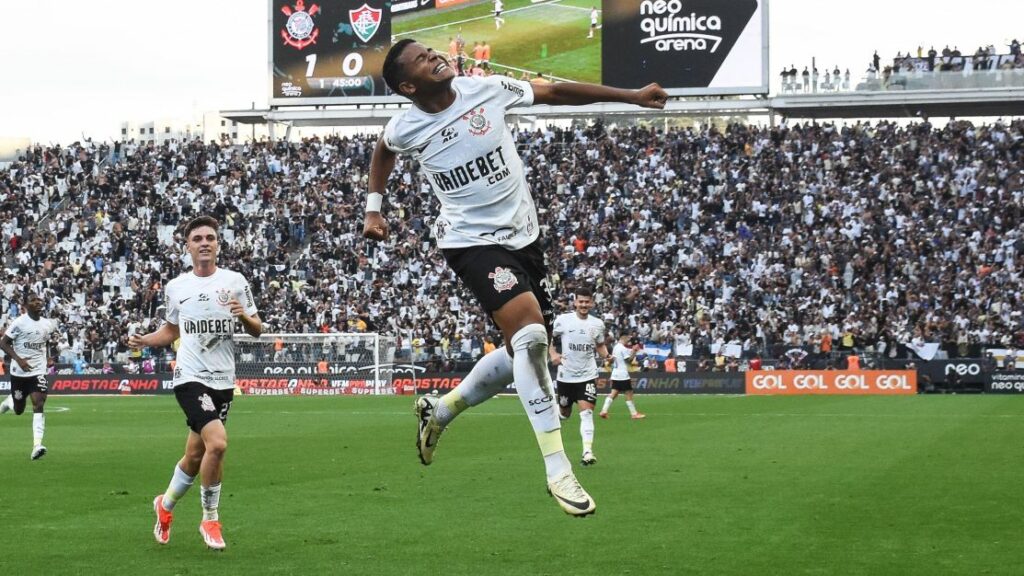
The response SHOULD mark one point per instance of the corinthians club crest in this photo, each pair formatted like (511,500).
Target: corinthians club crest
(478,123)
(300,30)
(503,278)
(365,21)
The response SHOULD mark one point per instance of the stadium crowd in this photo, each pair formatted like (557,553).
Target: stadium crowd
(867,237)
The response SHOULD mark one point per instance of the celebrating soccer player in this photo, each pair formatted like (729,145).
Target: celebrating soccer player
(487,230)
(24,343)
(581,336)
(203,308)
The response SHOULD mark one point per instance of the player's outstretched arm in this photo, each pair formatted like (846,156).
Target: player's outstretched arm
(382,163)
(577,94)
(165,336)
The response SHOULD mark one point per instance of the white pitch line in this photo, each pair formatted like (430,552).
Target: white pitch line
(489,16)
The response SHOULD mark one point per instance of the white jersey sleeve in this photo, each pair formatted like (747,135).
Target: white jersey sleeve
(469,157)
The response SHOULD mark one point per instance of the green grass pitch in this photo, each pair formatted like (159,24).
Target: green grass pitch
(562,26)
(706,485)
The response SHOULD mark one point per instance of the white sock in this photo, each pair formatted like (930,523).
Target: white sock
(210,499)
(631,406)
(38,427)
(587,429)
(607,404)
(180,483)
(7,405)
(533,384)
(490,375)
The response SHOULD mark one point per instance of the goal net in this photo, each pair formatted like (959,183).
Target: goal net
(315,364)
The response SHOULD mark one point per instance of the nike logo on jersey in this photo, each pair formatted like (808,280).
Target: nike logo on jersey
(542,411)
(180,302)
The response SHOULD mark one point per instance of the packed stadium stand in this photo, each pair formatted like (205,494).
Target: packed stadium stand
(869,236)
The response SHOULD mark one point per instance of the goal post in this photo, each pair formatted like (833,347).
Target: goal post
(315,364)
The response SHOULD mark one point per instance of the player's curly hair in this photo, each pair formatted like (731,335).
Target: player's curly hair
(394,73)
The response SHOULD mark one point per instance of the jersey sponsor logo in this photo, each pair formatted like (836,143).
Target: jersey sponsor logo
(503,278)
(365,21)
(300,30)
(513,89)
(502,234)
(449,134)
(216,326)
(491,165)
(206,403)
(441,228)
(581,347)
(478,123)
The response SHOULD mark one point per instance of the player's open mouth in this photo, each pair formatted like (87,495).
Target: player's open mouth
(440,67)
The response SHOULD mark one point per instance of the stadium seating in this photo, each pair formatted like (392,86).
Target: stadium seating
(878,234)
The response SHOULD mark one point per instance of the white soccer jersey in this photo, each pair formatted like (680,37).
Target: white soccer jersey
(469,157)
(620,359)
(199,306)
(580,339)
(30,337)
(498,6)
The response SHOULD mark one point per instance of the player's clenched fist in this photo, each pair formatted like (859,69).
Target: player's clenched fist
(375,227)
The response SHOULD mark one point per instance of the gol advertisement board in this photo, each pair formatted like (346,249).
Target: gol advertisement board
(827,382)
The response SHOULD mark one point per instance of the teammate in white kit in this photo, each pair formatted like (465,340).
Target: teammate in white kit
(593,21)
(498,20)
(487,230)
(621,355)
(582,336)
(24,343)
(203,308)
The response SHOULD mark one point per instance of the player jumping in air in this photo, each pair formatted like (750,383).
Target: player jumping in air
(25,343)
(203,308)
(487,230)
(581,335)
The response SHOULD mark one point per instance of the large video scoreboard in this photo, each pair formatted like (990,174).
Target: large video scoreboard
(332,51)
(328,51)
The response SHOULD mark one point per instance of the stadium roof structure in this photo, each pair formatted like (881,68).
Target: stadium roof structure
(860,104)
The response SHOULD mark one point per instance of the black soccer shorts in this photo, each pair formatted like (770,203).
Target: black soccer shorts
(622,385)
(202,404)
(496,275)
(23,386)
(570,393)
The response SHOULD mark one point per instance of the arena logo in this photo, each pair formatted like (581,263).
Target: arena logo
(671,30)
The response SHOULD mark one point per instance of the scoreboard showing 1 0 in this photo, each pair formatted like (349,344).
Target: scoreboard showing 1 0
(328,51)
